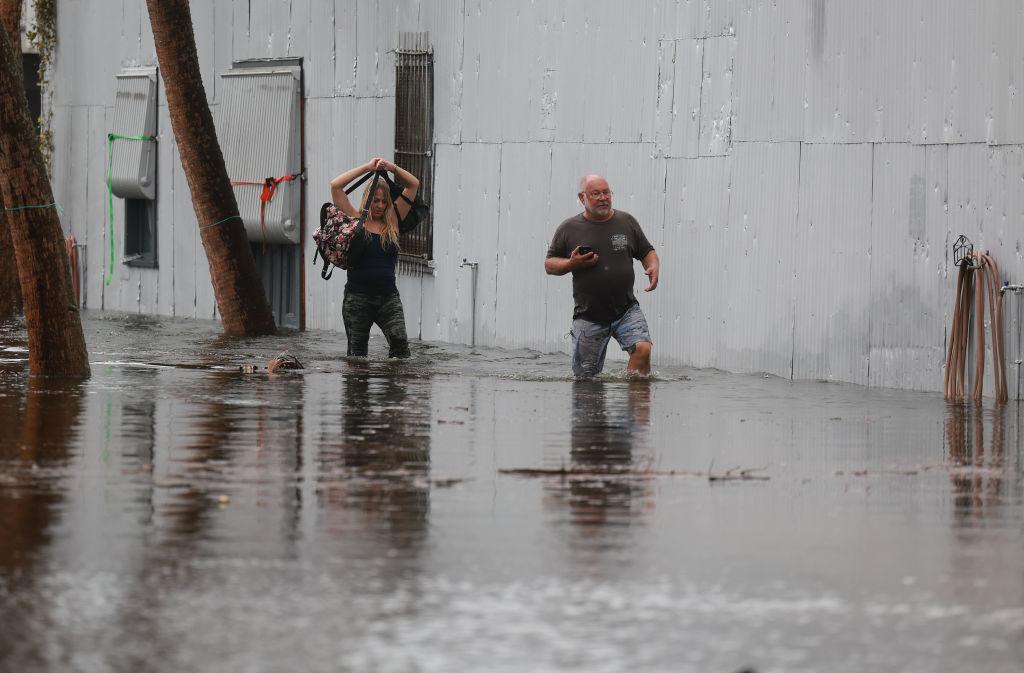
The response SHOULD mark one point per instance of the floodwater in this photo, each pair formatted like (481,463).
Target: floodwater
(477,510)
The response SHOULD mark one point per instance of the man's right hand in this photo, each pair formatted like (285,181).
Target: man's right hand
(578,261)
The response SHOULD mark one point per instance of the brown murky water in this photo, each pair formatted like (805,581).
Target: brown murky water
(479,511)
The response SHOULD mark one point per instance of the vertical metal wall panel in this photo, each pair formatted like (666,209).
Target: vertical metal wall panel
(375,127)
(446,21)
(410,287)
(770,72)
(716,96)
(1003,87)
(89,166)
(323,298)
(86,179)
(890,76)
(521,244)
(909,269)
(466,227)
(861,72)
(759,260)
(132,17)
(146,283)
(833,245)
(687,317)
(362,128)
(973,45)
(88,55)
(480,188)
(680,75)
(319,61)
(205,15)
(167,225)
(346,46)
(238,14)
(184,254)
(950,52)
(601,40)
(837,102)
(510,103)
(1013,306)
(375,48)
(291,23)
(448,247)
(222,41)
(482,71)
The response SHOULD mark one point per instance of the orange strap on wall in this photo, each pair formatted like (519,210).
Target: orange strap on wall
(266,195)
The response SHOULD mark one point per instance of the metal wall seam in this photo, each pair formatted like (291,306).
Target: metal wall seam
(832,243)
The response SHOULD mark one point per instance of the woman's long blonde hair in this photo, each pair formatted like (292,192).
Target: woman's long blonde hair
(389,235)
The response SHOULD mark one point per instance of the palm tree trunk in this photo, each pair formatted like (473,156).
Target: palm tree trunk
(56,344)
(236,283)
(10,291)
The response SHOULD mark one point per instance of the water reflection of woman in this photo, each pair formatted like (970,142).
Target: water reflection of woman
(371,294)
(385,455)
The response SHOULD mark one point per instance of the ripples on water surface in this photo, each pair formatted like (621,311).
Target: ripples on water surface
(476,510)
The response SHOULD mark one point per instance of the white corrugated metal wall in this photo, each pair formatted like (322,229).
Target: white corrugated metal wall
(802,165)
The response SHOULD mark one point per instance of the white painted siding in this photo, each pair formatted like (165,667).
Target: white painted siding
(803,166)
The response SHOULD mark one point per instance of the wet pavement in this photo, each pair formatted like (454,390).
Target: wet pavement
(477,510)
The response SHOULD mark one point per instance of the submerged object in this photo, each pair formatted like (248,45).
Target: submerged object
(283,362)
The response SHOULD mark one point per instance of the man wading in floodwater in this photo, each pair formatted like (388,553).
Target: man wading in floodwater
(598,246)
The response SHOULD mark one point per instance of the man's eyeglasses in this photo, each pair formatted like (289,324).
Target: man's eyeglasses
(597,194)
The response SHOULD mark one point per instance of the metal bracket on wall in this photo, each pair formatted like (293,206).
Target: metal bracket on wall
(1017,289)
(963,251)
(474,267)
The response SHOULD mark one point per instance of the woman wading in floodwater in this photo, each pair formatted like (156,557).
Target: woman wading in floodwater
(371,295)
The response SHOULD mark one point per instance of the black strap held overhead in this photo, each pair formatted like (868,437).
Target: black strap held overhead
(373,188)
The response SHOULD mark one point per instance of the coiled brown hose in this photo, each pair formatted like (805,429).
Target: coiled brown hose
(969,288)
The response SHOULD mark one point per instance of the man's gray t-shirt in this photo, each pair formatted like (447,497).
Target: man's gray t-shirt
(603,292)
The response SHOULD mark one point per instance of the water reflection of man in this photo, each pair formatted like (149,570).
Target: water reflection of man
(608,419)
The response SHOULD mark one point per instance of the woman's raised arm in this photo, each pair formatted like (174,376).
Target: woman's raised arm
(338,185)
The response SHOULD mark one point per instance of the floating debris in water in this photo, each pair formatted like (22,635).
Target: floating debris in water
(283,362)
(734,474)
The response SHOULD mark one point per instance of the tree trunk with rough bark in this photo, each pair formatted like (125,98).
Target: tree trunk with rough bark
(10,290)
(56,345)
(237,285)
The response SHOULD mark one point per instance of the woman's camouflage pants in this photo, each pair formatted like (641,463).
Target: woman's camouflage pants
(360,311)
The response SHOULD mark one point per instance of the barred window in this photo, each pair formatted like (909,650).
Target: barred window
(414,130)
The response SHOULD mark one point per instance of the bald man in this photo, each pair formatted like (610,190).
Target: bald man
(598,247)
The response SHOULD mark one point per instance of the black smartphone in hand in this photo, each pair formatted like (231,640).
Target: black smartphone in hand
(585,250)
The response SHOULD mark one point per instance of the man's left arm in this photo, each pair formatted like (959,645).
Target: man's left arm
(651,267)
(649,258)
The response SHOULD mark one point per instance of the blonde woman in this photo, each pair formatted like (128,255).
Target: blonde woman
(371,295)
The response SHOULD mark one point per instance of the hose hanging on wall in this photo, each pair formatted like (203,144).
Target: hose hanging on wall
(974,288)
